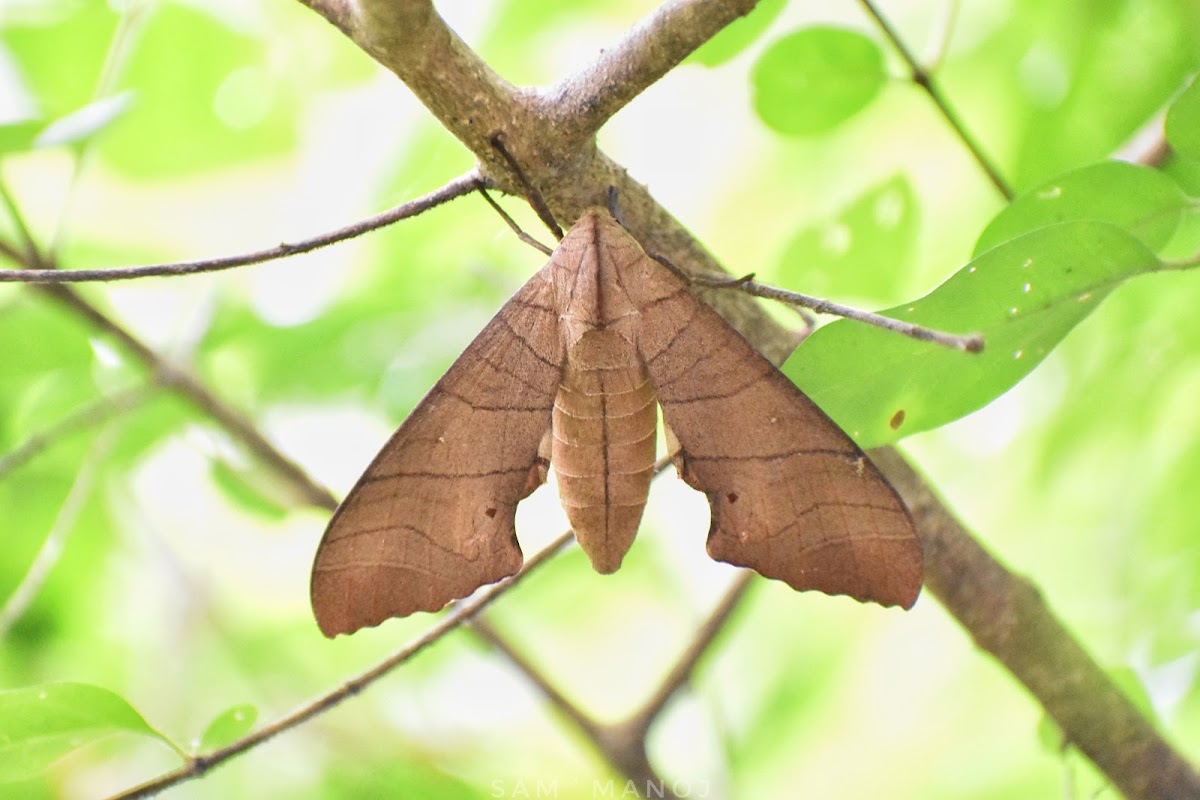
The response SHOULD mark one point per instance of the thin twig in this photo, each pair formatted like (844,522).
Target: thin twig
(512,223)
(182,381)
(32,256)
(532,195)
(482,627)
(970,342)
(89,416)
(685,667)
(455,188)
(52,547)
(921,76)
(626,754)
(624,745)
(188,386)
(459,614)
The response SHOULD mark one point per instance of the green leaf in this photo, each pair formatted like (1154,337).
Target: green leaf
(1024,296)
(1183,121)
(737,35)
(1141,200)
(228,726)
(862,250)
(815,79)
(40,724)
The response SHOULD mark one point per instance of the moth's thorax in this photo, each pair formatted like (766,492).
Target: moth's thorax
(590,292)
(602,448)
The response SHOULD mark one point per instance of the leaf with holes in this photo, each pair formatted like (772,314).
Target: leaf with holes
(1024,296)
(40,724)
(1143,201)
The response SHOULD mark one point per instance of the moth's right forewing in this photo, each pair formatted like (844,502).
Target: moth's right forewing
(792,496)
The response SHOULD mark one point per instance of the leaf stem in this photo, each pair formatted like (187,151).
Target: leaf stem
(924,79)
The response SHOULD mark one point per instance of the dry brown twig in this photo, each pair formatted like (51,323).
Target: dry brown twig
(460,614)
(49,274)
(552,133)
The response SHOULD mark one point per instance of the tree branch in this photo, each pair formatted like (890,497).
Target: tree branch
(473,103)
(339,13)
(581,103)
(640,722)
(1006,616)
(626,754)
(623,745)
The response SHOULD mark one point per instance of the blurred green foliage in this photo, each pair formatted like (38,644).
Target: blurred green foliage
(181,584)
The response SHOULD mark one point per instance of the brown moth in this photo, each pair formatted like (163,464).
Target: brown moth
(570,372)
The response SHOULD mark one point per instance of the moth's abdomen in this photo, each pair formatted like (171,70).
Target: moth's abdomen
(603,444)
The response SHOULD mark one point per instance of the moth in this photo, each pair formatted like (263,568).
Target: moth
(570,372)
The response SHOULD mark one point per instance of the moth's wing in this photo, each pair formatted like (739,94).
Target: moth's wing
(432,518)
(792,496)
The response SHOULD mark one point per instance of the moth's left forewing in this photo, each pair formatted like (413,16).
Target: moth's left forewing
(432,518)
